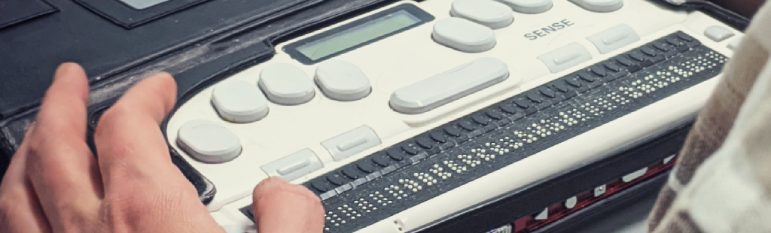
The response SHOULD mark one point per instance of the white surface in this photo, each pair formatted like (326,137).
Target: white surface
(208,141)
(464,35)
(600,5)
(450,85)
(486,12)
(529,6)
(239,101)
(408,57)
(341,80)
(286,84)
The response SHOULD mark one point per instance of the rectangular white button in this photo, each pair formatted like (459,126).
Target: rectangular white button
(294,165)
(718,33)
(451,85)
(634,175)
(563,58)
(349,143)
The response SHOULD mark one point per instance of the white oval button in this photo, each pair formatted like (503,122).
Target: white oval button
(208,142)
(464,35)
(486,12)
(343,81)
(529,6)
(286,84)
(600,5)
(239,101)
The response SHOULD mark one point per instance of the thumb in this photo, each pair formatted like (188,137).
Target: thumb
(281,207)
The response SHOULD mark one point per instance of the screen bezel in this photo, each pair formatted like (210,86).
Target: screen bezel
(292,49)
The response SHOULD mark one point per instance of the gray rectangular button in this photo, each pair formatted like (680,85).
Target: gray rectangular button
(563,58)
(294,165)
(449,86)
(614,38)
(349,143)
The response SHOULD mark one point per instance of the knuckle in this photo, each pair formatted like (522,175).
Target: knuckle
(73,218)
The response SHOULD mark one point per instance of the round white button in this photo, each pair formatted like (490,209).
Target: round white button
(343,81)
(529,6)
(464,35)
(600,5)
(571,202)
(487,12)
(286,84)
(208,142)
(239,101)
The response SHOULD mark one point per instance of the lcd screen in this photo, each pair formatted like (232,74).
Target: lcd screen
(358,33)
(142,4)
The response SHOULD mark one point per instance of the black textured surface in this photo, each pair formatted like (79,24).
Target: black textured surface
(31,51)
(17,11)
(476,149)
(128,17)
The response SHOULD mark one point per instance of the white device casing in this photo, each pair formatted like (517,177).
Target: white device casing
(410,56)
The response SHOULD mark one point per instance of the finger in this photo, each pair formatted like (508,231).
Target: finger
(19,208)
(133,155)
(129,141)
(60,165)
(282,207)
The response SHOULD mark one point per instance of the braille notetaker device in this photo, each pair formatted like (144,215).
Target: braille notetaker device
(402,116)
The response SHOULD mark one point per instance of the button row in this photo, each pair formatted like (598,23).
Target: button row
(573,54)
(210,142)
(471,27)
(241,102)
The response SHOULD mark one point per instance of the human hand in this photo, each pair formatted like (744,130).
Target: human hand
(56,184)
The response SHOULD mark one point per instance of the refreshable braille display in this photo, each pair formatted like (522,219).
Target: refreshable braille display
(414,111)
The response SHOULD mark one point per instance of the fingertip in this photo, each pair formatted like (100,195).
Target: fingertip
(166,78)
(267,184)
(71,76)
(68,67)
(165,85)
